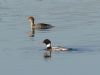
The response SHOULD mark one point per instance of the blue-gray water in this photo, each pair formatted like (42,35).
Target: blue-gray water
(77,25)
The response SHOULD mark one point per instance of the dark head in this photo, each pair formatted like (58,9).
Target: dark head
(48,43)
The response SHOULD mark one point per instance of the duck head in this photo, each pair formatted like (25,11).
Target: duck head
(31,19)
(48,44)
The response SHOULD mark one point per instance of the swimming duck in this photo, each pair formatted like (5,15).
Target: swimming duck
(49,48)
(39,25)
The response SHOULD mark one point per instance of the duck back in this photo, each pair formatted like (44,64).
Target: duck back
(44,26)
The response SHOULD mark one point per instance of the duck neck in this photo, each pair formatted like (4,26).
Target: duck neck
(32,25)
(49,47)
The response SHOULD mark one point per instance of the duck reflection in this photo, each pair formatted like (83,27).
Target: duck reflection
(32,33)
(47,55)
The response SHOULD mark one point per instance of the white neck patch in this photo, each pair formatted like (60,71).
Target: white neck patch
(48,45)
(31,22)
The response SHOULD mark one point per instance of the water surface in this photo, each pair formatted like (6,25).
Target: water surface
(76,25)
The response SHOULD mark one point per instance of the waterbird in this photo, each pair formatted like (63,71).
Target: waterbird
(38,25)
(49,48)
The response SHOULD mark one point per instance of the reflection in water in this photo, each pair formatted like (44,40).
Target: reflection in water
(32,32)
(47,57)
(47,54)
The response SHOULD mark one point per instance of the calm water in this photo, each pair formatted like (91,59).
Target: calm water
(77,25)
